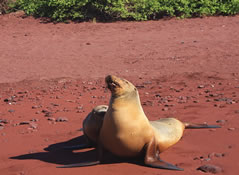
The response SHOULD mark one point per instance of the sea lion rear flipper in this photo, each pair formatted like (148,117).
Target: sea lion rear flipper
(80,164)
(163,165)
(199,126)
(152,158)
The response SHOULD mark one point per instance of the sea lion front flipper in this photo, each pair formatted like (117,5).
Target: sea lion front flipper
(199,126)
(80,164)
(152,158)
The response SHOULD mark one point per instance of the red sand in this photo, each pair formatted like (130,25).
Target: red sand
(183,68)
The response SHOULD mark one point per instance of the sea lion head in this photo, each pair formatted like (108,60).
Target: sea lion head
(119,86)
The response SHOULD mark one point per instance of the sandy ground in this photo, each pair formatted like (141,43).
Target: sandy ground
(52,75)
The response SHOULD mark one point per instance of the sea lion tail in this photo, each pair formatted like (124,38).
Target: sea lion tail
(199,126)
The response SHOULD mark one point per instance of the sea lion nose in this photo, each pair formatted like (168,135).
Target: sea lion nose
(108,79)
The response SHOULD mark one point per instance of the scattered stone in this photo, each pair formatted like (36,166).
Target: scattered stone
(47,113)
(221,121)
(148,103)
(3,121)
(2,124)
(237,111)
(22,92)
(36,106)
(62,119)
(140,86)
(210,169)
(207,91)
(24,123)
(231,129)
(201,86)
(38,112)
(165,109)
(218,155)
(33,125)
(54,104)
(34,120)
(157,95)
(207,159)
(1,127)
(51,119)
(213,95)
(11,110)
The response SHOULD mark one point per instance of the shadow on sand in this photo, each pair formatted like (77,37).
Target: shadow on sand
(56,154)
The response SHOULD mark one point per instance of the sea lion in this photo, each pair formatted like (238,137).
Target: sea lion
(127,132)
(91,127)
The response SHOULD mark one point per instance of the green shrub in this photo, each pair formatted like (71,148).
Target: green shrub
(3,6)
(61,10)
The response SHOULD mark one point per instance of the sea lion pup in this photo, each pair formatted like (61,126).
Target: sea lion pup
(127,132)
(91,127)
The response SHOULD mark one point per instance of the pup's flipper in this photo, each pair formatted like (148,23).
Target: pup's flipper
(199,126)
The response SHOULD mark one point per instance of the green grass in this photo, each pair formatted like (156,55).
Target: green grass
(103,10)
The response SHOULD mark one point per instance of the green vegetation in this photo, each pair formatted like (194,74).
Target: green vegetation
(3,6)
(61,10)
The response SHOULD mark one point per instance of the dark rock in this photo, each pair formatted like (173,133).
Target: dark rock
(62,119)
(36,106)
(210,169)
(51,119)
(24,123)
(157,95)
(34,120)
(3,121)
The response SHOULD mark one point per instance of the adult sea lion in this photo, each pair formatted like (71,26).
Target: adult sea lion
(127,132)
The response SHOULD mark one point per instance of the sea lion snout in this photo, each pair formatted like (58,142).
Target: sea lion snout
(112,82)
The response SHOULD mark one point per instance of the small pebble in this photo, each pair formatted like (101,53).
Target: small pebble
(201,86)
(33,125)
(11,110)
(62,119)
(210,169)
(24,123)
(165,109)
(221,121)
(231,129)
(51,119)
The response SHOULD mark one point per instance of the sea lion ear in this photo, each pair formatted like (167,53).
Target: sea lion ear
(135,89)
(152,158)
